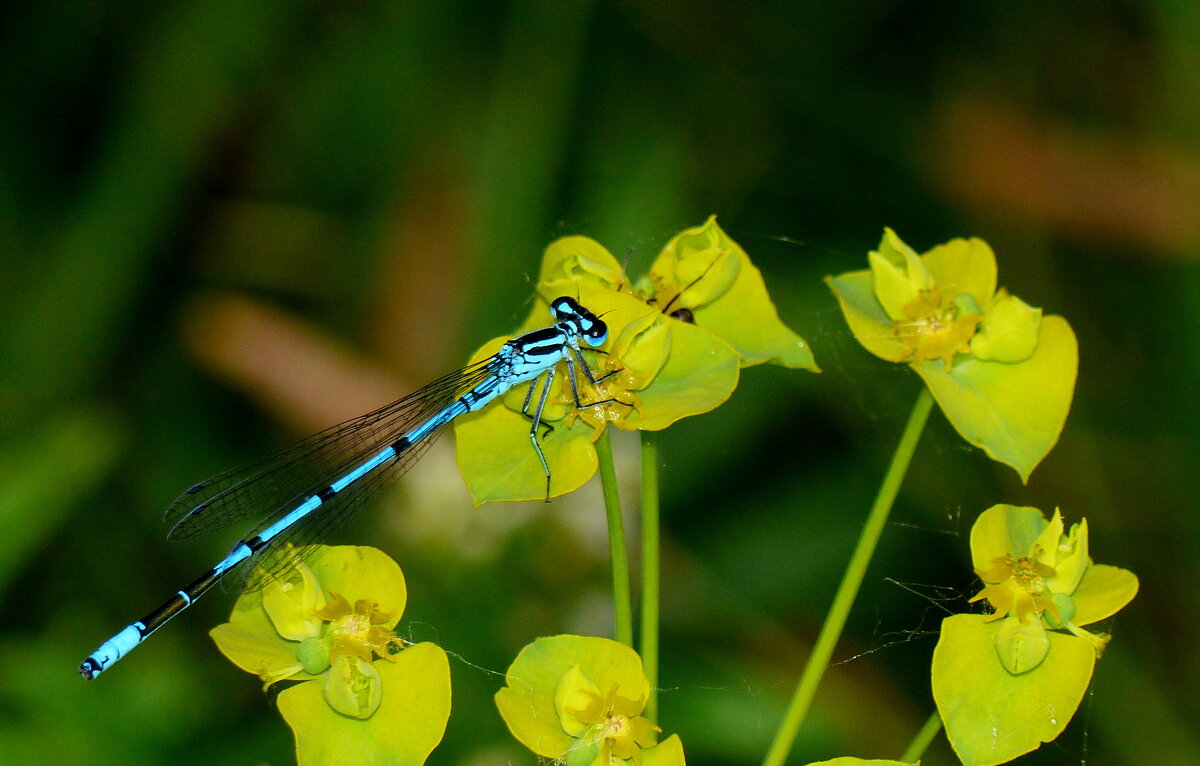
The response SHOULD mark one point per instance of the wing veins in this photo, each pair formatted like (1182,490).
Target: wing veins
(275,484)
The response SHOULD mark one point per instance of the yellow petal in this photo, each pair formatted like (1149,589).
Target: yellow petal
(730,301)
(577,701)
(868,322)
(1072,559)
(1103,591)
(643,348)
(362,572)
(291,601)
(258,650)
(580,258)
(964,267)
(898,276)
(1045,547)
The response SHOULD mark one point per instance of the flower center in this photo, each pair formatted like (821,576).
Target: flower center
(352,627)
(358,631)
(1018,585)
(615,723)
(935,329)
(1027,572)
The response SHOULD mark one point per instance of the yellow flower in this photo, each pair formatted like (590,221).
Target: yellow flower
(677,340)
(553,705)
(1032,571)
(358,632)
(1017,586)
(362,690)
(1003,374)
(1009,681)
(615,722)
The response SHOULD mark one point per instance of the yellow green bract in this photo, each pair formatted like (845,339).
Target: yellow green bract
(1003,373)
(366,699)
(1009,681)
(846,760)
(678,338)
(579,700)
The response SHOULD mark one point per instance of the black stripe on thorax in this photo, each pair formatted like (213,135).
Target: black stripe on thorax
(538,336)
(544,342)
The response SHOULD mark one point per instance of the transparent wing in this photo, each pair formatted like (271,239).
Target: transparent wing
(292,545)
(272,486)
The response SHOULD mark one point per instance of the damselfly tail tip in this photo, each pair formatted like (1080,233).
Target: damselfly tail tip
(89,669)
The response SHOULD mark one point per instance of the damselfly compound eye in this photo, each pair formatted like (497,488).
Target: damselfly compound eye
(597,333)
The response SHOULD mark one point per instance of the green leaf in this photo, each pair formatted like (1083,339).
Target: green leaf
(406,727)
(992,716)
(527,701)
(1014,412)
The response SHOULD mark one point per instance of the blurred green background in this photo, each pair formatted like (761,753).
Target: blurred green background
(225,224)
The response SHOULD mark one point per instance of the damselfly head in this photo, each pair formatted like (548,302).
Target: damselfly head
(590,327)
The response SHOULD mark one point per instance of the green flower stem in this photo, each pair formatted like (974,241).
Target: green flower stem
(848,589)
(921,742)
(650,582)
(622,601)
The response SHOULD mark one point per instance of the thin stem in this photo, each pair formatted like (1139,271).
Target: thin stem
(920,743)
(822,650)
(650,583)
(622,603)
